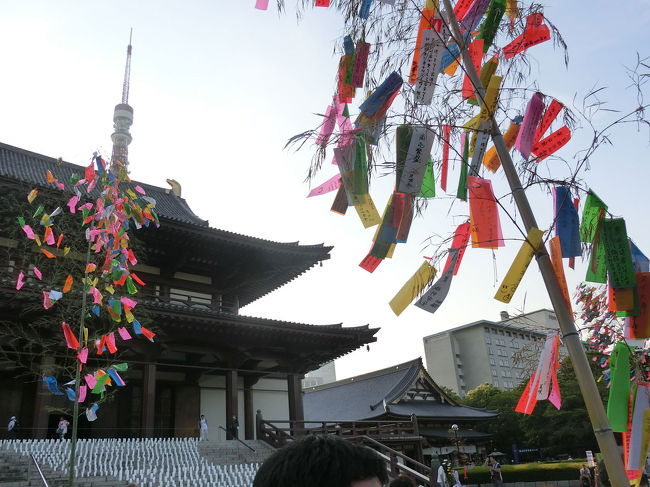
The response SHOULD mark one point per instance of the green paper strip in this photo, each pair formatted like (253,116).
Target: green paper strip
(461,193)
(492,20)
(121,367)
(360,165)
(38,211)
(428,188)
(21,221)
(594,208)
(130,287)
(600,274)
(617,253)
(619,389)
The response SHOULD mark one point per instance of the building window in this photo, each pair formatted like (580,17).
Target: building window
(503,373)
(508,334)
(490,351)
(500,332)
(492,361)
(494,372)
(487,330)
(495,382)
(494,332)
(487,340)
(506,363)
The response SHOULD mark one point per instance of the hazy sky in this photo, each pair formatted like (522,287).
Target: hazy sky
(218,88)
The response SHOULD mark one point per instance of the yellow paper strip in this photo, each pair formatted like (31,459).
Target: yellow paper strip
(412,288)
(491,97)
(519,266)
(366,209)
(472,123)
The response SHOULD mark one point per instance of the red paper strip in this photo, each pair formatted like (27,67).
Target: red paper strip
(48,254)
(475,51)
(137,279)
(346,91)
(70,339)
(446,135)
(110,343)
(549,117)
(360,63)
(322,3)
(427,21)
(370,263)
(407,218)
(552,143)
(148,333)
(640,325)
(461,237)
(484,215)
(461,8)
(397,209)
(528,399)
(535,33)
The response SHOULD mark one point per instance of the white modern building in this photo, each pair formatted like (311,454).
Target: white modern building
(323,375)
(499,353)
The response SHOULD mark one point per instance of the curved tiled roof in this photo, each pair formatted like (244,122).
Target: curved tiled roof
(380,393)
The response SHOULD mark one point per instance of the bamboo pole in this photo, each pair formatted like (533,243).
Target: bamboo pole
(600,423)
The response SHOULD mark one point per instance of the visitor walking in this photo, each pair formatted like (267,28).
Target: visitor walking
(495,470)
(11,427)
(203,428)
(62,429)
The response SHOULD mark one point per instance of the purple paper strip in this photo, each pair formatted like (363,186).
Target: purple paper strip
(526,136)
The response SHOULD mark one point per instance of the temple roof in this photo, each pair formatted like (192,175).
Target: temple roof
(396,391)
(261,265)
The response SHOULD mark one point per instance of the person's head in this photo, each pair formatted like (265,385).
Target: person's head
(402,481)
(491,459)
(322,461)
(13,417)
(202,416)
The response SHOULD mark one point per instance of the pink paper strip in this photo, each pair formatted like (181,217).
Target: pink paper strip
(83,355)
(526,135)
(140,190)
(90,380)
(29,232)
(128,302)
(37,273)
(327,127)
(82,393)
(332,184)
(262,4)
(20,283)
(124,333)
(72,203)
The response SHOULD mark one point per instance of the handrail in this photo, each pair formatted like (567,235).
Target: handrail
(240,441)
(38,469)
(395,467)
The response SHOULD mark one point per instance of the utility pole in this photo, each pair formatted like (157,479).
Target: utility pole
(600,423)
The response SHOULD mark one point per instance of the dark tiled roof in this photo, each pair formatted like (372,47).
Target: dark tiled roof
(367,397)
(31,168)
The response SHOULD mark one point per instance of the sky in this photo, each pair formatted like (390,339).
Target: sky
(219,87)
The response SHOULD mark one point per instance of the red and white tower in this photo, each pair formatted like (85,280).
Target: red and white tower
(123,119)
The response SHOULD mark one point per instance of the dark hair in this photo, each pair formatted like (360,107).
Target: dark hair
(402,481)
(321,461)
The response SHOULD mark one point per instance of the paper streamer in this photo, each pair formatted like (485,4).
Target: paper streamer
(262,4)
(91,412)
(446,135)
(639,326)
(432,299)
(535,33)
(416,160)
(370,263)
(617,253)
(475,51)
(412,288)
(492,20)
(491,160)
(526,135)
(433,49)
(528,399)
(21,281)
(551,144)
(484,215)
(567,222)
(519,265)
(70,339)
(619,389)
(461,237)
(52,385)
(555,251)
(427,22)
(383,94)
(550,114)
(329,121)
(360,63)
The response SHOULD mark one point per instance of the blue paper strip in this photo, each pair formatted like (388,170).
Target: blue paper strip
(382,94)
(364,11)
(52,385)
(567,223)
(639,260)
(348,45)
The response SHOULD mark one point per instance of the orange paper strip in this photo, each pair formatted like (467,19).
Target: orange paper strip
(558,268)
(426,22)
(491,160)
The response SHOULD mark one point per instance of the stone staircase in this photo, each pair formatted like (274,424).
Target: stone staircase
(18,470)
(226,452)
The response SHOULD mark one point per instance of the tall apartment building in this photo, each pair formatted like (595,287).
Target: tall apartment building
(470,355)
(323,375)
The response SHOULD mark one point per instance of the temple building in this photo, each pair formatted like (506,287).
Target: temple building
(402,392)
(207,358)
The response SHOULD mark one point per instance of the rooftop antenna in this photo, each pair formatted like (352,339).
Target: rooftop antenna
(123,119)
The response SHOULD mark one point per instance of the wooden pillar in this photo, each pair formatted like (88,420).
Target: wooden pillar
(42,400)
(231,400)
(249,412)
(296,411)
(148,400)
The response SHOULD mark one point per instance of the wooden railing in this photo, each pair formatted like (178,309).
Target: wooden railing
(278,432)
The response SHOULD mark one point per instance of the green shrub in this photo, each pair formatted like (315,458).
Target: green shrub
(528,472)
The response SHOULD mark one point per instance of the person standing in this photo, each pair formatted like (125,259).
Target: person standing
(234,428)
(442,476)
(495,470)
(585,476)
(11,427)
(203,428)
(62,429)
